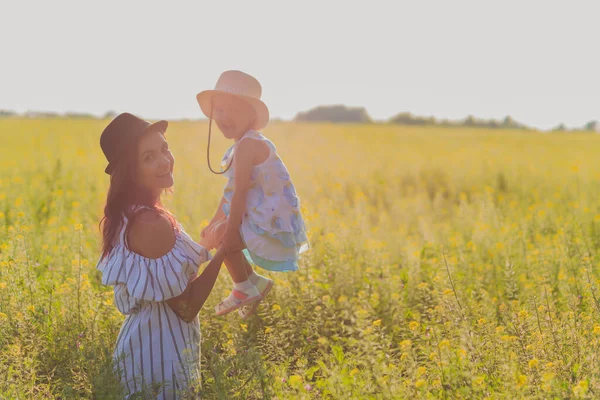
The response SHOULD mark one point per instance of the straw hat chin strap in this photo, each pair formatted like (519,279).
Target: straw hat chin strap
(208,147)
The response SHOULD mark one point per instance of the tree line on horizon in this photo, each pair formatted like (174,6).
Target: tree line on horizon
(342,114)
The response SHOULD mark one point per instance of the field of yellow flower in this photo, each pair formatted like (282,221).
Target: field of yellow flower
(445,263)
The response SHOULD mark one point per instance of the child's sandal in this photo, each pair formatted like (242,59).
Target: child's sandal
(234,301)
(249,309)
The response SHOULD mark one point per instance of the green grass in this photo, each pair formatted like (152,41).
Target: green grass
(445,263)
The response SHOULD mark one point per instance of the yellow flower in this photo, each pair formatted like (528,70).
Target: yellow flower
(444,344)
(581,388)
(3,316)
(447,292)
(542,309)
(78,227)
(481,321)
(421,371)
(376,322)
(548,376)
(533,363)
(478,381)
(354,372)
(413,325)
(244,327)
(276,307)
(295,380)
(420,383)
(597,329)
(2,285)
(405,344)
(521,380)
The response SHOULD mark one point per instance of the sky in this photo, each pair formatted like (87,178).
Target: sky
(537,61)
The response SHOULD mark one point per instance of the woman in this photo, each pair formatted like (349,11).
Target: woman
(152,264)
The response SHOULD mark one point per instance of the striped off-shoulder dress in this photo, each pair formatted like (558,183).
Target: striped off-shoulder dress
(155,348)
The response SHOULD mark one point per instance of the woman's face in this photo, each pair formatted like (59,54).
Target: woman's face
(233,116)
(155,163)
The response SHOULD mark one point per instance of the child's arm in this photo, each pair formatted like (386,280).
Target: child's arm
(243,172)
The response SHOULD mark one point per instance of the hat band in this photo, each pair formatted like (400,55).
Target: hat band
(231,90)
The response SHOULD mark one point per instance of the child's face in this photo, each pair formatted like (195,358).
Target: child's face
(233,116)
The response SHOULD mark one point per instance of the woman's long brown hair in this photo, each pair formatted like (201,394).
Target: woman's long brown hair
(124,196)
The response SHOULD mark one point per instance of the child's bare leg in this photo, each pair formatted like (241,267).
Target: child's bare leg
(244,291)
(247,265)
(235,265)
(254,277)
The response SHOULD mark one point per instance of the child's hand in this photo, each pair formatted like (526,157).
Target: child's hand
(206,231)
(207,243)
(210,236)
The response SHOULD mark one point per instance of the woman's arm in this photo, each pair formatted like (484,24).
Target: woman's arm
(151,235)
(190,302)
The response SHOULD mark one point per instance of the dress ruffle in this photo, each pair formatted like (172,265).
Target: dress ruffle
(138,278)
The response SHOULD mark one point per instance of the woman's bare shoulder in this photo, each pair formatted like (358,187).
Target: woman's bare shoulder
(151,234)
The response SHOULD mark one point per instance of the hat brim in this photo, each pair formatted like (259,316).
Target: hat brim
(158,126)
(204,99)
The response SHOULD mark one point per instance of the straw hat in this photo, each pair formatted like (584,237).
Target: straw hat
(242,86)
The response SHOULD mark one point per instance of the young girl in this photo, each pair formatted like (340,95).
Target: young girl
(259,207)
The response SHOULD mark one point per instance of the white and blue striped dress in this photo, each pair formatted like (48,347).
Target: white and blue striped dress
(154,345)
